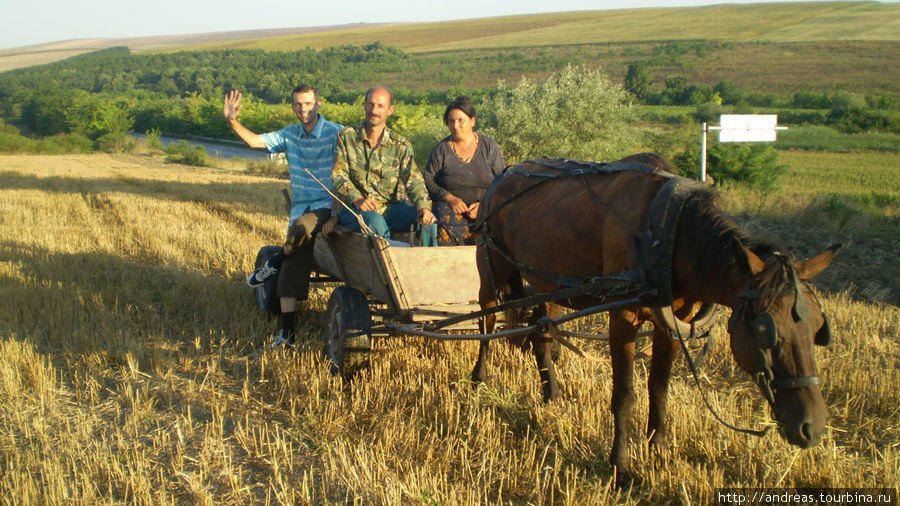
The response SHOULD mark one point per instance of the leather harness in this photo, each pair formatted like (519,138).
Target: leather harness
(654,242)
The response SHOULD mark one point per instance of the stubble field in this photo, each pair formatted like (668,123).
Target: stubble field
(131,370)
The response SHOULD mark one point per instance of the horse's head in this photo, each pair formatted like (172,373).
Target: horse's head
(773,328)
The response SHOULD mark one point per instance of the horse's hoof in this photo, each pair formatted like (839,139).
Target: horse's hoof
(624,480)
(658,442)
(552,397)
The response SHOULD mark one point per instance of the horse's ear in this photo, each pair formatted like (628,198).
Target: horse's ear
(809,268)
(748,262)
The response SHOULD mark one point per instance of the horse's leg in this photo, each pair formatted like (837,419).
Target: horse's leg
(664,352)
(621,348)
(479,373)
(542,344)
(488,271)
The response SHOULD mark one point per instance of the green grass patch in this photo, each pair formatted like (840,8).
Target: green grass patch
(853,193)
(822,138)
(840,173)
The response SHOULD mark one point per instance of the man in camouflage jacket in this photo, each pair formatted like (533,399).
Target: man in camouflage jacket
(375,173)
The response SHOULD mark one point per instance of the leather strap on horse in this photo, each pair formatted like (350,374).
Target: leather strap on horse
(564,168)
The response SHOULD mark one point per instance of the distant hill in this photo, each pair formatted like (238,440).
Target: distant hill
(775,22)
(59,50)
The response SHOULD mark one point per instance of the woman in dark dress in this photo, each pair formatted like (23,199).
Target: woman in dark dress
(459,170)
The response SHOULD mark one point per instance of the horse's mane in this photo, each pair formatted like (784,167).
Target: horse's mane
(712,231)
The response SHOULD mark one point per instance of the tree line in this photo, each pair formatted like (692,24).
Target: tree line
(94,100)
(114,90)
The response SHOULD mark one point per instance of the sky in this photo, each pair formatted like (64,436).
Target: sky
(28,22)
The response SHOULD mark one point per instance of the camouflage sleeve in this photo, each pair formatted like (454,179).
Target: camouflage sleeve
(344,156)
(415,183)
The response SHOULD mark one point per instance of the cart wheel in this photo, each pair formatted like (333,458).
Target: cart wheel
(348,330)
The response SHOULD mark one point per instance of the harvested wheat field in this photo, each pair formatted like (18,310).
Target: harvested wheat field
(131,372)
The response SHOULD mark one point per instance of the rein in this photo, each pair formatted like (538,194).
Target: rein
(693,366)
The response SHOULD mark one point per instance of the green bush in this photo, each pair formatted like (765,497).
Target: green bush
(811,100)
(753,164)
(708,112)
(345,114)
(577,113)
(116,142)
(66,143)
(187,154)
(422,129)
(153,139)
(97,116)
(11,141)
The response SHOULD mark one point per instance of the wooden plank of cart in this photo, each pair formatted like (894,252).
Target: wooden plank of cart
(390,282)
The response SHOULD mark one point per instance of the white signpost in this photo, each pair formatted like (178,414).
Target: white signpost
(740,128)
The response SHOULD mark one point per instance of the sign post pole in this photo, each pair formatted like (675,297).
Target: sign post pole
(703,152)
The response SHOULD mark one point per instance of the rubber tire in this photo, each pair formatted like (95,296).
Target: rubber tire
(265,295)
(348,331)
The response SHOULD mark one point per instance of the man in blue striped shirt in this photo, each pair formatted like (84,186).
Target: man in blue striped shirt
(308,145)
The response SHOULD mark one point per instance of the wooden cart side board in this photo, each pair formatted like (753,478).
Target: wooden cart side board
(445,274)
(384,259)
(401,277)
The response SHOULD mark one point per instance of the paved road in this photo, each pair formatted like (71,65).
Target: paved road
(223,150)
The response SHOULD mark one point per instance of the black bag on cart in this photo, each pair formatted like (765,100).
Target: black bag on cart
(265,294)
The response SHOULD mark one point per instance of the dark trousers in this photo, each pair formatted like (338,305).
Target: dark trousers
(293,278)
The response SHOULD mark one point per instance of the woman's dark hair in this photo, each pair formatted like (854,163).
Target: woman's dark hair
(464,104)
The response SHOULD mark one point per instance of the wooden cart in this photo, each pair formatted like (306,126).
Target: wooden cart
(430,292)
(389,282)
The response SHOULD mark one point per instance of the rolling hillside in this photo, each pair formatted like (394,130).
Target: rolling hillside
(777,22)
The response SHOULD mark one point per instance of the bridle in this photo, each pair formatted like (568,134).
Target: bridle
(761,326)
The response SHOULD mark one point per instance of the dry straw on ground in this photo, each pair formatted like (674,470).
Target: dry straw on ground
(130,372)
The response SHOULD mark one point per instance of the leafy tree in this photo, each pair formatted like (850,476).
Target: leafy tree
(638,81)
(96,116)
(675,91)
(577,113)
(729,92)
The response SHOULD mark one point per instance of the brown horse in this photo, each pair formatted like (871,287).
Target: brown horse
(551,221)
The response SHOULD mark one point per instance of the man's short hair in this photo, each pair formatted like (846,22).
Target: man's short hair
(305,88)
(388,90)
